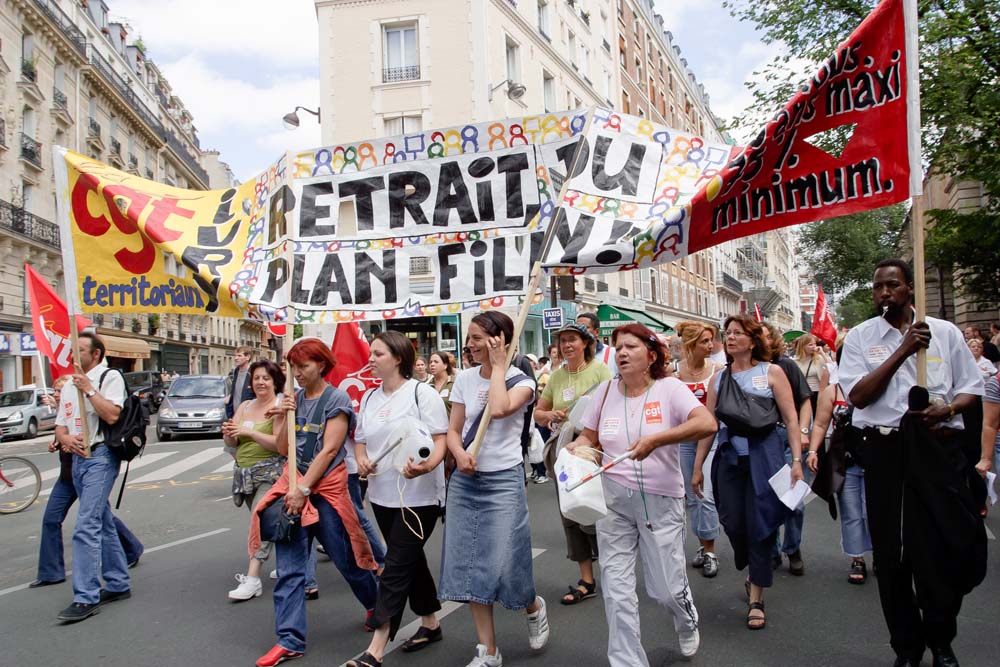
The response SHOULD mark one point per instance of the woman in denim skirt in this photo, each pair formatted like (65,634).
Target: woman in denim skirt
(487,540)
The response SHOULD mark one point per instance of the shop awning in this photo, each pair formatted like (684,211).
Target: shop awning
(613,317)
(125,348)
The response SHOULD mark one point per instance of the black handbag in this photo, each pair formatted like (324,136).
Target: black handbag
(277,525)
(744,414)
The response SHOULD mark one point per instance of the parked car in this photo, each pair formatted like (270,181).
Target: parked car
(22,413)
(148,386)
(194,405)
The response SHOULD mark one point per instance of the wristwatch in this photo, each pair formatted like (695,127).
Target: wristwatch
(804,431)
(796,459)
(91,393)
(304,490)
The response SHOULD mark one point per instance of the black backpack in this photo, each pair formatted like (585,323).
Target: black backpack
(127,436)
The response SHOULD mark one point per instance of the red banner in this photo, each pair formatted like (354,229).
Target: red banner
(781,179)
(351,374)
(50,322)
(756,311)
(823,326)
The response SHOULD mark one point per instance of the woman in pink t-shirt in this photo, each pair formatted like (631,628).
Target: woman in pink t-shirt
(647,413)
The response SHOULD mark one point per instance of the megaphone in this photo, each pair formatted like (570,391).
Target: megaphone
(409,439)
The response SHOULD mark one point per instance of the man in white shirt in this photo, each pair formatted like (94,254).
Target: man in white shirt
(877,370)
(97,551)
(603,353)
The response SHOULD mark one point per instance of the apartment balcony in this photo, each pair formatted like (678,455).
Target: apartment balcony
(133,163)
(397,74)
(16,220)
(124,90)
(28,83)
(730,283)
(28,71)
(64,24)
(31,152)
(115,153)
(182,152)
(94,139)
(60,107)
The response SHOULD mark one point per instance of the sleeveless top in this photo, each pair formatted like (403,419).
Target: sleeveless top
(249,450)
(751,381)
(700,388)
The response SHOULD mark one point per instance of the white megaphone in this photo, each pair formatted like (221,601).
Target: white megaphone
(409,439)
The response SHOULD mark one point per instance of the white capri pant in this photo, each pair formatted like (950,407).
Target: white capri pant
(621,535)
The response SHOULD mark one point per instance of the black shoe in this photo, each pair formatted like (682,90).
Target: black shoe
(38,583)
(79,611)
(795,564)
(313,594)
(422,638)
(112,596)
(133,563)
(775,562)
(944,657)
(905,661)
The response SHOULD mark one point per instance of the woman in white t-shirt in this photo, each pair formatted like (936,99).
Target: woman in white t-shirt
(405,495)
(487,540)
(647,413)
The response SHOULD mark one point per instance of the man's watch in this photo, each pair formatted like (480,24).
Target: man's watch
(304,490)
(804,431)
(91,393)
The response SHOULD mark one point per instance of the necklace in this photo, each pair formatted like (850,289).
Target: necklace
(637,468)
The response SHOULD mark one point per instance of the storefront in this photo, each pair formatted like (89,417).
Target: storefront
(127,354)
(175,359)
(8,364)
(427,334)
(613,317)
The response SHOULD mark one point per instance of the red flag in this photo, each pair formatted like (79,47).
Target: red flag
(757,315)
(50,322)
(351,374)
(277,329)
(823,326)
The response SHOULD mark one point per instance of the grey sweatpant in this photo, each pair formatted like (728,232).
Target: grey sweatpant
(621,536)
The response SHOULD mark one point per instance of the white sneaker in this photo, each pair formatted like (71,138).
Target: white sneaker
(542,479)
(689,641)
(538,627)
(699,558)
(273,575)
(484,660)
(249,588)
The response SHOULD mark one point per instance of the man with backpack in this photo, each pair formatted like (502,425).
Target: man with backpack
(97,551)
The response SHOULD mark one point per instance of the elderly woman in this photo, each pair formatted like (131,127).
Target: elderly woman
(648,414)
(579,375)
(749,510)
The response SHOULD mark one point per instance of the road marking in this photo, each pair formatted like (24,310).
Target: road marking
(137,463)
(69,573)
(226,468)
(219,500)
(181,466)
(989,533)
(448,607)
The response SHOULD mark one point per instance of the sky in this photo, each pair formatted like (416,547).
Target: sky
(240,65)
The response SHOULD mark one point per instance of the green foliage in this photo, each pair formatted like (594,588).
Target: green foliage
(856,307)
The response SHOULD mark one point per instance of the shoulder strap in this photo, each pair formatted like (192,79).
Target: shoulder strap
(471,433)
(416,394)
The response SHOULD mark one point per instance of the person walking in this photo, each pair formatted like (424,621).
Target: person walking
(986,367)
(487,541)
(97,551)
(257,464)
(811,362)
(919,588)
(646,413)
(51,565)
(990,444)
(239,380)
(578,376)
(749,510)
(323,418)
(696,371)
(442,376)
(603,353)
(406,498)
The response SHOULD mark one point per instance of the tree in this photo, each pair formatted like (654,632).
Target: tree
(960,113)
(856,307)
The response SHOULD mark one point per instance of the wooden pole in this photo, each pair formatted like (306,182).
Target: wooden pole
(919,282)
(74,335)
(533,282)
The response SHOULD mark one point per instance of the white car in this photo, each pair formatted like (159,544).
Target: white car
(22,413)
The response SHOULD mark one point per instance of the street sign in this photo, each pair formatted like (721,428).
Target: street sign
(552,318)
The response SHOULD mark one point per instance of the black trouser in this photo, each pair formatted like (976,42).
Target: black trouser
(735,501)
(406,575)
(903,595)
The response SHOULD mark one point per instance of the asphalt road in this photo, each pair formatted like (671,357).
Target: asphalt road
(178,503)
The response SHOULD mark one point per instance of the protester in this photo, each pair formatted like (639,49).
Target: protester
(647,413)
(718,352)
(97,550)
(985,366)
(258,465)
(420,370)
(990,444)
(696,371)
(487,540)
(830,375)
(323,418)
(406,498)
(990,350)
(442,376)
(833,412)
(239,380)
(603,353)
(574,380)
(812,363)
(744,463)
(918,583)
(51,566)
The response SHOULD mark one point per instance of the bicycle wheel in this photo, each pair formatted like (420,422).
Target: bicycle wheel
(20,483)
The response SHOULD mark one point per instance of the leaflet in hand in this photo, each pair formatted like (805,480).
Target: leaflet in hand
(792,496)
(991,479)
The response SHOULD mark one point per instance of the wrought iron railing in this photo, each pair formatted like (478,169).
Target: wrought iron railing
(135,103)
(93,127)
(116,146)
(31,150)
(178,147)
(15,219)
(133,161)
(394,74)
(59,99)
(66,26)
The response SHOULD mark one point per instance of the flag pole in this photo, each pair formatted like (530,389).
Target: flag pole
(919,282)
(913,145)
(534,281)
(74,335)
(289,336)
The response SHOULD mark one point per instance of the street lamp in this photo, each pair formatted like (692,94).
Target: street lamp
(291,119)
(515,91)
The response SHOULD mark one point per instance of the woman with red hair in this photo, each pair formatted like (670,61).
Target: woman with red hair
(323,418)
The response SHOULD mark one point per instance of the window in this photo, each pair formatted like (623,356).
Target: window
(548,91)
(608,83)
(27,195)
(652,284)
(402,125)
(584,60)
(638,71)
(543,17)
(400,61)
(626,106)
(513,60)
(571,46)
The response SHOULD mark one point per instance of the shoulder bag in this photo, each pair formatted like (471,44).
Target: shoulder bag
(746,415)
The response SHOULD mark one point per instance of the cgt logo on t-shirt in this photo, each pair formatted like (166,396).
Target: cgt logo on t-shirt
(653,413)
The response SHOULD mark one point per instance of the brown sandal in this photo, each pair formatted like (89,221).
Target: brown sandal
(752,620)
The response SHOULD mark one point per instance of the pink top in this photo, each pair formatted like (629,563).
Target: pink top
(621,421)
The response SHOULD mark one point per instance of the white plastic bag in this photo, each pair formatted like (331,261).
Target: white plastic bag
(584,504)
(537,447)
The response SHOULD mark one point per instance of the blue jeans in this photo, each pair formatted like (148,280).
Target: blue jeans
(97,551)
(854,535)
(290,589)
(701,511)
(378,549)
(793,524)
(50,549)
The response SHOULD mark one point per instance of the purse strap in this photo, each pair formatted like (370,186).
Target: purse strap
(470,435)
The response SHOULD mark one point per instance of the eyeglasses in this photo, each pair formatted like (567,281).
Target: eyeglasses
(735,334)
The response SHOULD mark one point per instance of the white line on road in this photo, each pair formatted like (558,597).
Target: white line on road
(989,533)
(137,463)
(406,632)
(226,468)
(21,587)
(183,465)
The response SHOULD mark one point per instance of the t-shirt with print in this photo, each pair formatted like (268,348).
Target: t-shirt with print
(339,403)
(113,389)
(620,422)
(501,448)
(379,416)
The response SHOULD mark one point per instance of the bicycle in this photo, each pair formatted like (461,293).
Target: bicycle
(20,484)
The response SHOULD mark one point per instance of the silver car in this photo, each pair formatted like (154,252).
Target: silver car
(194,405)
(22,413)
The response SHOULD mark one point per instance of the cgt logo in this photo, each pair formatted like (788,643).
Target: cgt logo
(653,413)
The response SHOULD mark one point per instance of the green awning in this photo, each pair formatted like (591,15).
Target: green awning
(613,317)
